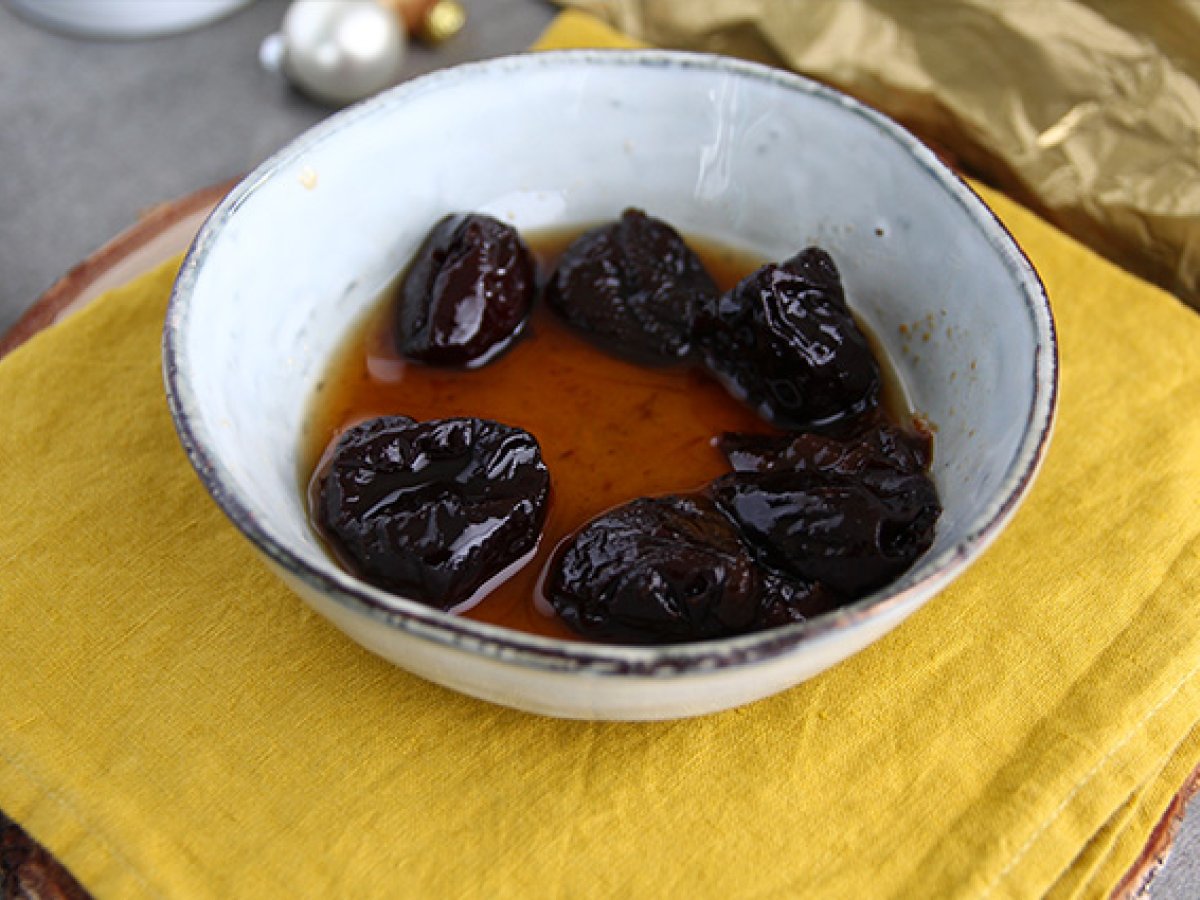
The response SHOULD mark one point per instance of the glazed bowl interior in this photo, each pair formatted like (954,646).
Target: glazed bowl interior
(301,250)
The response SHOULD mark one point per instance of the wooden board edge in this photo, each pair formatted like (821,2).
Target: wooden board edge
(71,286)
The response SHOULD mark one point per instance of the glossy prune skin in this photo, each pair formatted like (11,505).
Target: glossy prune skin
(669,569)
(852,514)
(432,510)
(633,287)
(784,340)
(876,444)
(467,294)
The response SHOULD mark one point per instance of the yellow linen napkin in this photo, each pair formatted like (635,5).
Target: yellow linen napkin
(174,722)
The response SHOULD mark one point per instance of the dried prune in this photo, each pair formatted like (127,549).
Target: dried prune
(784,340)
(433,510)
(877,445)
(633,286)
(852,514)
(666,570)
(467,294)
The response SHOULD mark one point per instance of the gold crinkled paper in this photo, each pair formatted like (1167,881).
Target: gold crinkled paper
(1088,112)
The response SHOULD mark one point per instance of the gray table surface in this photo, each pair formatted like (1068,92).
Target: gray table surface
(93,132)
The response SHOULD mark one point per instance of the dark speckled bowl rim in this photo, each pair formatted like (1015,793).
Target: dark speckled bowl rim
(553,655)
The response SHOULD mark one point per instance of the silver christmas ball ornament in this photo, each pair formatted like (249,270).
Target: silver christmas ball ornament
(339,51)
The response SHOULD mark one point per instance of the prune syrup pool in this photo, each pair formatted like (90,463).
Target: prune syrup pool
(610,430)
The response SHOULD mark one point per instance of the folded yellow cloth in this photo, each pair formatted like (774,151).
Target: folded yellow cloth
(174,722)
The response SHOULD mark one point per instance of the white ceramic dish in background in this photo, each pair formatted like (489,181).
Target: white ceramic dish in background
(295,254)
(124,18)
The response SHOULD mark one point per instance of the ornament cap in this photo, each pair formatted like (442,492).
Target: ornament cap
(442,21)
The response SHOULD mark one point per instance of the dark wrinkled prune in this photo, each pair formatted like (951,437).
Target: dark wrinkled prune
(851,514)
(432,510)
(784,340)
(786,600)
(634,287)
(467,293)
(878,445)
(667,570)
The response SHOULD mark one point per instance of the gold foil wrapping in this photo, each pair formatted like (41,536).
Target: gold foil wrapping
(1089,112)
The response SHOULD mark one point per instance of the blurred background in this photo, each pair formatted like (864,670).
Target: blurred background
(97,131)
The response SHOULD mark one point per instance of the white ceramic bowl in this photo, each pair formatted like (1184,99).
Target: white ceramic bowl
(296,253)
(124,18)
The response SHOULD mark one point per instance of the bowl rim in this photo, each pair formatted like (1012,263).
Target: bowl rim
(526,650)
